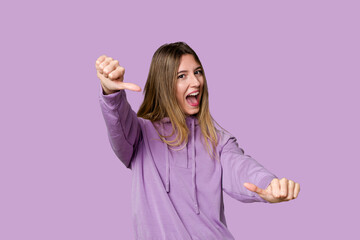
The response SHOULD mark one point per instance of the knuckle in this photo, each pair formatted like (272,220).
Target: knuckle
(283,180)
(275,181)
(107,69)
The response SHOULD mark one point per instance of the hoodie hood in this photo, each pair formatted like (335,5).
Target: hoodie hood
(191,123)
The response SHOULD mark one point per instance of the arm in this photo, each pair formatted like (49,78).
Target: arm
(239,169)
(122,125)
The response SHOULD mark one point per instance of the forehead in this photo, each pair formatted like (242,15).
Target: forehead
(187,61)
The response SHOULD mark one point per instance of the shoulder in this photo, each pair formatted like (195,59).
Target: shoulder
(145,123)
(227,141)
(223,136)
(149,128)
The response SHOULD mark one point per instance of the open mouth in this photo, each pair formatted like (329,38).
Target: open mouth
(193,98)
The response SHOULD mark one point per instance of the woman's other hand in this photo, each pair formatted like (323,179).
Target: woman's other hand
(111,76)
(277,191)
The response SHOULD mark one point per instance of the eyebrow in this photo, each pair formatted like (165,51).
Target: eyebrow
(184,71)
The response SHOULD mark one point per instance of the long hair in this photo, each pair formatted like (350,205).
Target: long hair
(160,97)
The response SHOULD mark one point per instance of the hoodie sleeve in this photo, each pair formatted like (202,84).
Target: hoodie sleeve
(239,169)
(122,124)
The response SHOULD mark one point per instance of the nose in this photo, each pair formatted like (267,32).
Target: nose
(194,81)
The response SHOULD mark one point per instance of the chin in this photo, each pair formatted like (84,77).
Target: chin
(192,112)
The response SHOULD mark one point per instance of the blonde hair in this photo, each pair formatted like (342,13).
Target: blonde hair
(160,99)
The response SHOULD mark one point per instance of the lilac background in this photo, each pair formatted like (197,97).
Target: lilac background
(283,78)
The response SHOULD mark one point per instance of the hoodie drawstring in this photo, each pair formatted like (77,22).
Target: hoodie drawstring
(193,175)
(191,147)
(167,167)
(167,183)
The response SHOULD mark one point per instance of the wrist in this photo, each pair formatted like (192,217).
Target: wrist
(106,91)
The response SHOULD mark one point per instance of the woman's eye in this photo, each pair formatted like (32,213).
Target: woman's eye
(198,72)
(181,76)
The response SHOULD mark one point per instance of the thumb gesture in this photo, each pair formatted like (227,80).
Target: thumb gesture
(111,75)
(277,191)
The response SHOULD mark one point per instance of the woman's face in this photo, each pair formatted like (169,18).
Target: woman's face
(189,85)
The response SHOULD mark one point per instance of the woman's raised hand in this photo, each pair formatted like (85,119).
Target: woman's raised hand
(278,190)
(111,75)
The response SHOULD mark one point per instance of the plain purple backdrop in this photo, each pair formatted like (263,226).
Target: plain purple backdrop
(283,78)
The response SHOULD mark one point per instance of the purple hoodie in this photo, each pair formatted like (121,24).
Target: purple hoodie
(177,194)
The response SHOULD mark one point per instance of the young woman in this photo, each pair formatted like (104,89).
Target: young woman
(180,161)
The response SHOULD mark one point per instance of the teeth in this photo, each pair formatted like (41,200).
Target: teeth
(194,94)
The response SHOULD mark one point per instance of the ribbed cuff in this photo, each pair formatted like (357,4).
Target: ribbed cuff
(111,100)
